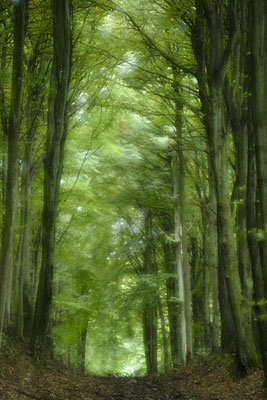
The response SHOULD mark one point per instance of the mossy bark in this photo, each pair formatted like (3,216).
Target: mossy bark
(258,144)
(212,67)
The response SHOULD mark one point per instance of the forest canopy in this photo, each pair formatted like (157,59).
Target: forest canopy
(133,182)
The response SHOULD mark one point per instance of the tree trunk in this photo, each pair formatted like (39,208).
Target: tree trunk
(56,135)
(150,321)
(164,336)
(24,298)
(180,236)
(259,85)
(35,257)
(257,230)
(3,114)
(252,226)
(81,348)
(206,278)
(235,89)
(218,138)
(213,264)
(180,285)
(24,311)
(246,354)
(13,142)
(173,315)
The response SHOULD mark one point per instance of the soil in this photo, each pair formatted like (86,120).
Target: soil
(210,378)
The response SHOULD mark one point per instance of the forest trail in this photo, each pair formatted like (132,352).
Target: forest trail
(205,379)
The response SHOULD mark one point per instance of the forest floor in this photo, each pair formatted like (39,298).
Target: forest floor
(209,378)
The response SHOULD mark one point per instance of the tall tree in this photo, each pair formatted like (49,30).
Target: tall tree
(180,235)
(150,324)
(36,78)
(258,142)
(56,136)
(212,67)
(6,259)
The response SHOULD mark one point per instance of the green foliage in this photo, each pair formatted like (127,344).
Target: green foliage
(132,63)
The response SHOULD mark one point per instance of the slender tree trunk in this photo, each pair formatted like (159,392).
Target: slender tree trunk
(257,230)
(150,339)
(56,134)
(173,315)
(197,300)
(180,286)
(3,117)
(24,311)
(259,85)
(241,224)
(150,320)
(206,278)
(24,298)
(252,226)
(35,261)
(213,264)
(180,236)
(6,257)
(81,348)
(188,292)
(164,336)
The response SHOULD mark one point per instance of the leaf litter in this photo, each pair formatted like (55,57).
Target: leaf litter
(209,378)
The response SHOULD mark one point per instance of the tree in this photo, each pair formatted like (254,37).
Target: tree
(20,15)
(257,143)
(212,76)
(56,136)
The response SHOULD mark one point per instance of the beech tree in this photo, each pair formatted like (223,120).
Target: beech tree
(13,130)
(136,138)
(257,163)
(56,136)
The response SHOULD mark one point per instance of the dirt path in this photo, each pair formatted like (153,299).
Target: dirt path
(206,379)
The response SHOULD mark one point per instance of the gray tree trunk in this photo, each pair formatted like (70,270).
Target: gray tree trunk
(180,236)
(219,56)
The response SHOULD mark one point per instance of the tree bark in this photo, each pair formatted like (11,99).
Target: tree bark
(164,336)
(173,314)
(252,226)
(81,348)
(56,135)
(24,307)
(259,85)
(180,237)
(150,324)
(206,278)
(257,229)
(213,264)
(236,87)
(9,219)
(217,57)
